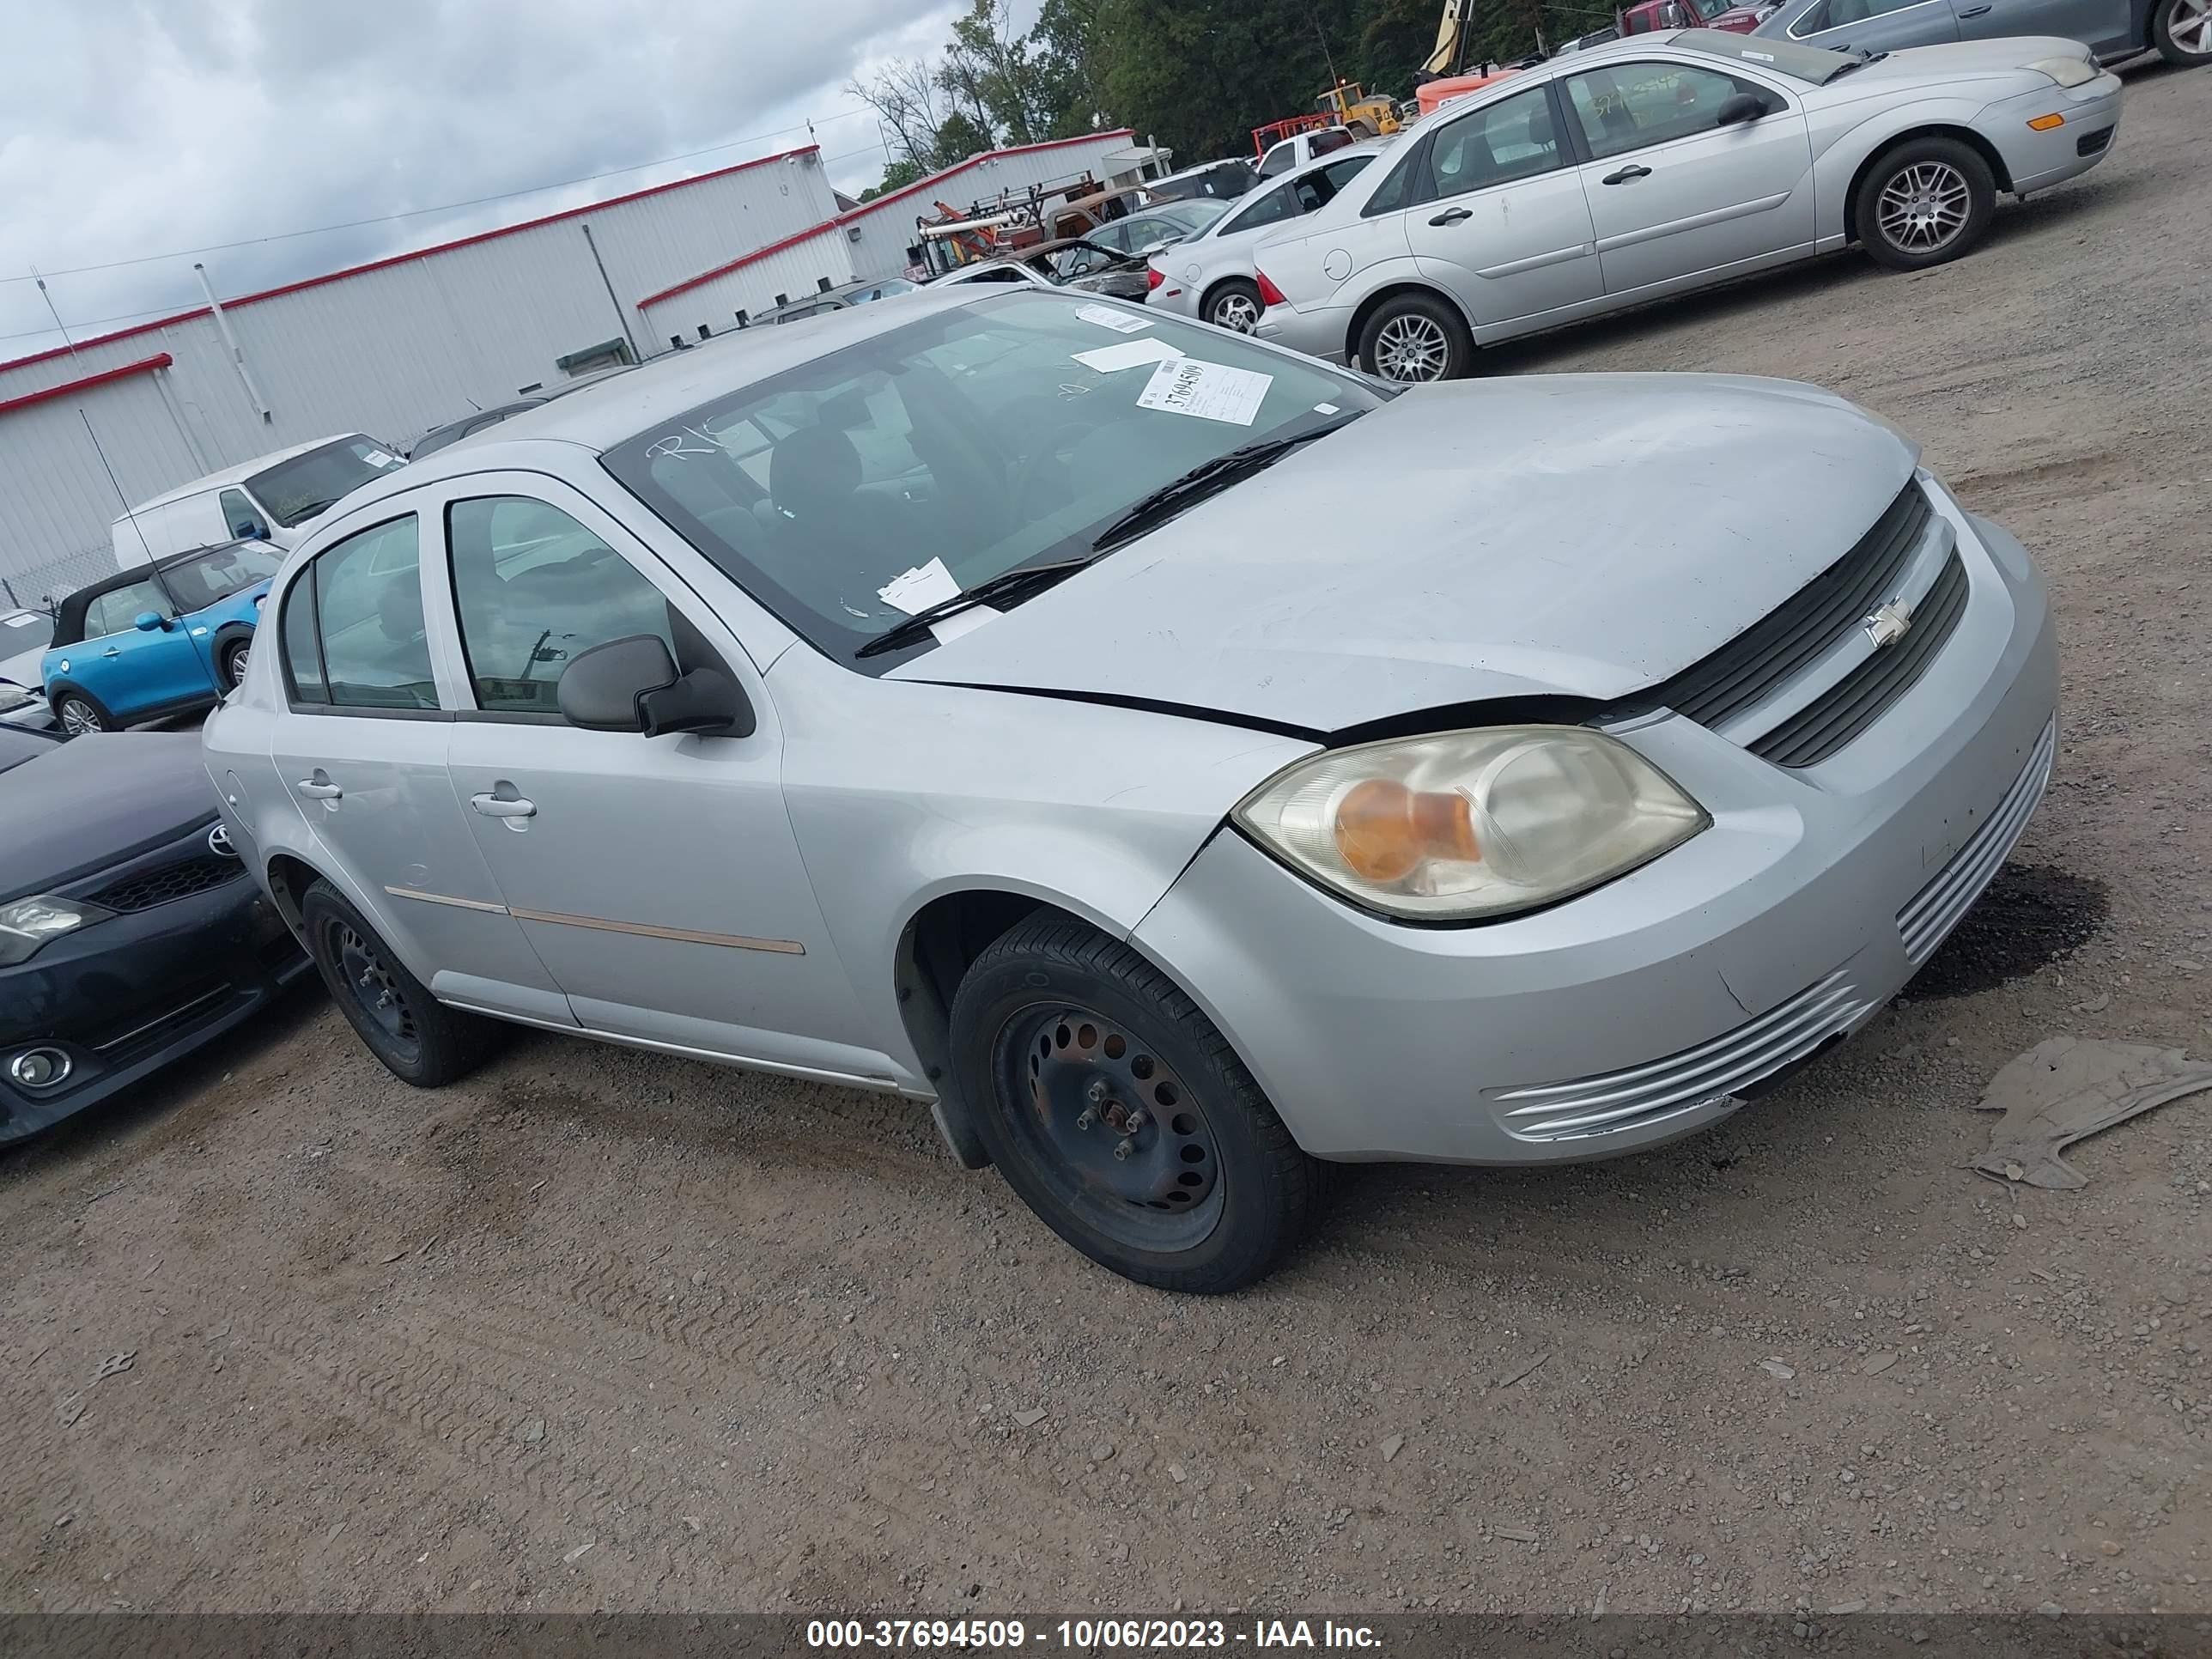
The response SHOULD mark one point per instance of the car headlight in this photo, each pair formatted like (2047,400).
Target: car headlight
(1468,824)
(27,925)
(2066,71)
(12,696)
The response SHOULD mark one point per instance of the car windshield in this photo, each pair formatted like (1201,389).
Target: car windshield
(203,579)
(1815,64)
(25,630)
(936,456)
(295,491)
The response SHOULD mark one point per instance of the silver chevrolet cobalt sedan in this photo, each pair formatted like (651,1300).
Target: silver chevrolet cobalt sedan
(973,696)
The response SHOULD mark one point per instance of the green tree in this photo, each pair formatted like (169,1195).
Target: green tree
(1201,74)
(1066,56)
(1396,39)
(959,137)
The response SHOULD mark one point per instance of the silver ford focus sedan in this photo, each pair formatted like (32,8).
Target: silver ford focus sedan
(967,699)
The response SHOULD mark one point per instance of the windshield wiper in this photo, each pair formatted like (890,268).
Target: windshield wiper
(1858,63)
(313,507)
(1179,496)
(1020,580)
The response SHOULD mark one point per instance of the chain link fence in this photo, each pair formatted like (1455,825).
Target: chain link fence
(39,586)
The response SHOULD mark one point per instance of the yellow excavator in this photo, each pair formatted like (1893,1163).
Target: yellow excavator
(1451,38)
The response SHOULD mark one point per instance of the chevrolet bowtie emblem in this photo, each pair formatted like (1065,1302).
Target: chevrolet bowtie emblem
(1888,623)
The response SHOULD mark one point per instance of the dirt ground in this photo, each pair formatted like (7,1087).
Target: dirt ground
(601,1330)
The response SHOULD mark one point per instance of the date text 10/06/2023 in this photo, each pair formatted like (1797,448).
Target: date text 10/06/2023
(1087,1635)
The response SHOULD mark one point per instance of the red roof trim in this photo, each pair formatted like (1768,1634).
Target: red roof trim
(933,182)
(143,365)
(418,253)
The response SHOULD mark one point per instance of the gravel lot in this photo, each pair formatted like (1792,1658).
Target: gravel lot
(605,1330)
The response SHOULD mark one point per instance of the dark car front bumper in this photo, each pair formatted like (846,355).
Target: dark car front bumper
(126,996)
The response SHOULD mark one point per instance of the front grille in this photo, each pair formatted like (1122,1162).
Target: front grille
(169,883)
(1771,652)
(1936,909)
(2094,144)
(1615,1103)
(1864,695)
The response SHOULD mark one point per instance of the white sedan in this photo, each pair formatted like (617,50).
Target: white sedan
(1211,278)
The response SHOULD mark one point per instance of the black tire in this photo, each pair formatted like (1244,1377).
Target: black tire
(230,659)
(1944,198)
(1214,1191)
(2188,19)
(419,1040)
(1365,128)
(1240,300)
(1415,339)
(79,712)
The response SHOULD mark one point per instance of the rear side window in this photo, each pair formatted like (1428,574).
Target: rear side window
(303,653)
(1280,160)
(534,590)
(1397,190)
(1271,207)
(368,620)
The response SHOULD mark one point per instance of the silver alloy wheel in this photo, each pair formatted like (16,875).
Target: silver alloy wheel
(77,717)
(238,659)
(1235,311)
(1411,348)
(1925,207)
(2189,25)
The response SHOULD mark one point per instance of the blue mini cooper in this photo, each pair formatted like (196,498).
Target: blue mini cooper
(161,639)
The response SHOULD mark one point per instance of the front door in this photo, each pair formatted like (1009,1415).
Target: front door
(367,771)
(659,878)
(2101,24)
(137,671)
(1676,196)
(1499,218)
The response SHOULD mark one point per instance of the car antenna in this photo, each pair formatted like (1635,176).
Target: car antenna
(63,328)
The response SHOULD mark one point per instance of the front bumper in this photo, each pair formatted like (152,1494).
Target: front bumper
(2037,161)
(1645,1010)
(126,996)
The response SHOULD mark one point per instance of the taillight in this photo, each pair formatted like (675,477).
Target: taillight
(1153,277)
(1269,293)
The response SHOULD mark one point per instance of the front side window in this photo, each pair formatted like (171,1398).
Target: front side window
(295,491)
(240,517)
(534,590)
(978,436)
(209,578)
(1628,106)
(118,611)
(1511,139)
(368,608)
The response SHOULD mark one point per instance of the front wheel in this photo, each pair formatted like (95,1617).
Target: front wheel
(1414,339)
(1925,204)
(233,662)
(2182,31)
(1235,305)
(1122,1117)
(80,715)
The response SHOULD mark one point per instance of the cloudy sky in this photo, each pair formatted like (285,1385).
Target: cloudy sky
(132,130)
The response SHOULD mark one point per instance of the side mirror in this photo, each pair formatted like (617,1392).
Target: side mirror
(149,621)
(1742,107)
(633,685)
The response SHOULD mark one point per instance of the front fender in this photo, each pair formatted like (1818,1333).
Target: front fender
(1837,161)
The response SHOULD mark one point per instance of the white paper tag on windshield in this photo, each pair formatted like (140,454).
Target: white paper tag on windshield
(1128,354)
(1210,392)
(377,458)
(918,589)
(962,621)
(1121,322)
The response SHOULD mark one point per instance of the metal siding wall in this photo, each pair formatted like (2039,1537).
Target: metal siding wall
(794,271)
(57,501)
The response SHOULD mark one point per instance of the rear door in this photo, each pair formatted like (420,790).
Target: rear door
(659,878)
(1499,217)
(2103,24)
(1675,196)
(1878,25)
(362,753)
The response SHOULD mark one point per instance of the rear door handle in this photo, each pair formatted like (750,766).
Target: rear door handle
(494,806)
(1454,216)
(1631,171)
(319,788)
(1977,11)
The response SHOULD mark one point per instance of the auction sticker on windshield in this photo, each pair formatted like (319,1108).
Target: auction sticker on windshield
(1128,354)
(1210,392)
(1121,322)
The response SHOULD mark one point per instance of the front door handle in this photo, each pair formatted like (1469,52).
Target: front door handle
(113,650)
(1631,171)
(497,807)
(1977,11)
(319,787)
(1454,216)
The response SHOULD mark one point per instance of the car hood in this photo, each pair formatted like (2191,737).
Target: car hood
(23,669)
(95,801)
(1582,536)
(1958,60)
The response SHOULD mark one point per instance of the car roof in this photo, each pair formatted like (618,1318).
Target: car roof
(598,417)
(231,475)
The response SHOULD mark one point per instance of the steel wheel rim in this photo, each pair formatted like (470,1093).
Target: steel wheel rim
(238,659)
(370,982)
(1081,1088)
(77,718)
(1411,348)
(1925,207)
(1236,311)
(2189,25)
